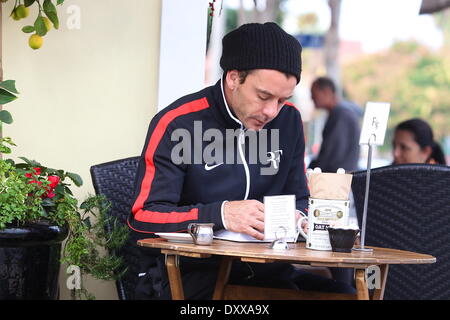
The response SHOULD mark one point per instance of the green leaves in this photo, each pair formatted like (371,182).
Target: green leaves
(8,91)
(14,200)
(39,26)
(75,178)
(28,29)
(28,2)
(28,193)
(47,202)
(31,163)
(46,18)
(6,97)
(88,236)
(51,13)
(5,117)
(5,149)
(9,85)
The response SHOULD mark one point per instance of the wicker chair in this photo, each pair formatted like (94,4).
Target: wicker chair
(409,209)
(115,180)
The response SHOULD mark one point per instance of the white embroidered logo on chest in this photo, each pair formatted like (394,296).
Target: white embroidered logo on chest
(275,157)
(210,167)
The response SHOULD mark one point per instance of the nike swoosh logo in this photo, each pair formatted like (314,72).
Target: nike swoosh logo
(208,167)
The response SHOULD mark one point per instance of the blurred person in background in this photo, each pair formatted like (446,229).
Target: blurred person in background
(340,142)
(414,143)
(340,136)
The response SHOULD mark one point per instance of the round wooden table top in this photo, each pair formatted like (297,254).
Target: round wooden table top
(297,253)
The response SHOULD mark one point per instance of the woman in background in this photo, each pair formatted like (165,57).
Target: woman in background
(414,143)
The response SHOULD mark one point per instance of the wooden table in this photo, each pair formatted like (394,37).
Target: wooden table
(297,254)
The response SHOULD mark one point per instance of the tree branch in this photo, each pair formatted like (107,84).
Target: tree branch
(432,6)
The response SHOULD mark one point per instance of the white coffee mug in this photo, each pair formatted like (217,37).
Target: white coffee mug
(321,215)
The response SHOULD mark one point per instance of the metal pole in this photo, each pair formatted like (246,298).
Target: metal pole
(366,202)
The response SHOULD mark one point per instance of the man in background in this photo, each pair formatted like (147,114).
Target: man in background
(340,141)
(340,136)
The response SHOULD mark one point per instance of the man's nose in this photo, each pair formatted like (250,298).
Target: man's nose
(270,110)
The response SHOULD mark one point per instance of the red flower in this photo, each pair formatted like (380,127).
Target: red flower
(50,194)
(34,181)
(37,171)
(54,180)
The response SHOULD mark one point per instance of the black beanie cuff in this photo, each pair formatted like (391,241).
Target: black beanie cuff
(261,46)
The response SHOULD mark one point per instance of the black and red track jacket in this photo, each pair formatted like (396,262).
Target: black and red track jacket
(169,196)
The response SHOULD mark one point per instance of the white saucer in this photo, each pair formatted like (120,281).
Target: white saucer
(176,237)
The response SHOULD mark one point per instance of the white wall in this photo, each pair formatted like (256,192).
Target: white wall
(183,49)
(88,94)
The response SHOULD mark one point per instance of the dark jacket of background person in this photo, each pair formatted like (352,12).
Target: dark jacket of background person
(340,139)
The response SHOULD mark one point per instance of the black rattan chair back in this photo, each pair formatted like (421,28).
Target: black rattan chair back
(409,209)
(115,180)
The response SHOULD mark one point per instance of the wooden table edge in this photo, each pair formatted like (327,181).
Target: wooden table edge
(193,251)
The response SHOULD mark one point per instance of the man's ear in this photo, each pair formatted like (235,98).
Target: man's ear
(232,79)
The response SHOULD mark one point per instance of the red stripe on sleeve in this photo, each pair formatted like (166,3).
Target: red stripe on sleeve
(290,104)
(146,185)
(166,217)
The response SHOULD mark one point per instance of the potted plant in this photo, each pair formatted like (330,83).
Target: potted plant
(38,211)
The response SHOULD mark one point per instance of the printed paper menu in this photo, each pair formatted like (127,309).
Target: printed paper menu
(279,218)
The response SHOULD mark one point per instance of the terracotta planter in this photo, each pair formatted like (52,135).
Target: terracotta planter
(30,261)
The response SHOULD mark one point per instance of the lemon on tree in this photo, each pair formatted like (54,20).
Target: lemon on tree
(35,41)
(14,15)
(22,11)
(46,19)
(48,23)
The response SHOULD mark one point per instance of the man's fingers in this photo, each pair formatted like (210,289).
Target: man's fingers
(258,225)
(260,206)
(305,228)
(255,234)
(260,216)
(245,216)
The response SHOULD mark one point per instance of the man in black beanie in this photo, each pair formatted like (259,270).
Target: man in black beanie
(262,66)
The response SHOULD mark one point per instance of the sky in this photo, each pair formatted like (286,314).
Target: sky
(367,21)
(377,27)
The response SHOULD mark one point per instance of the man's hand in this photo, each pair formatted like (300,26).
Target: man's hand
(305,225)
(246,216)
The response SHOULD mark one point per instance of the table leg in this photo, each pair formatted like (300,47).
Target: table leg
(222,278)
(379,293)
(362,291)
(173,271)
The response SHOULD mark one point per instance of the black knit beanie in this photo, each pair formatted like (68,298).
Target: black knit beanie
(261,46)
